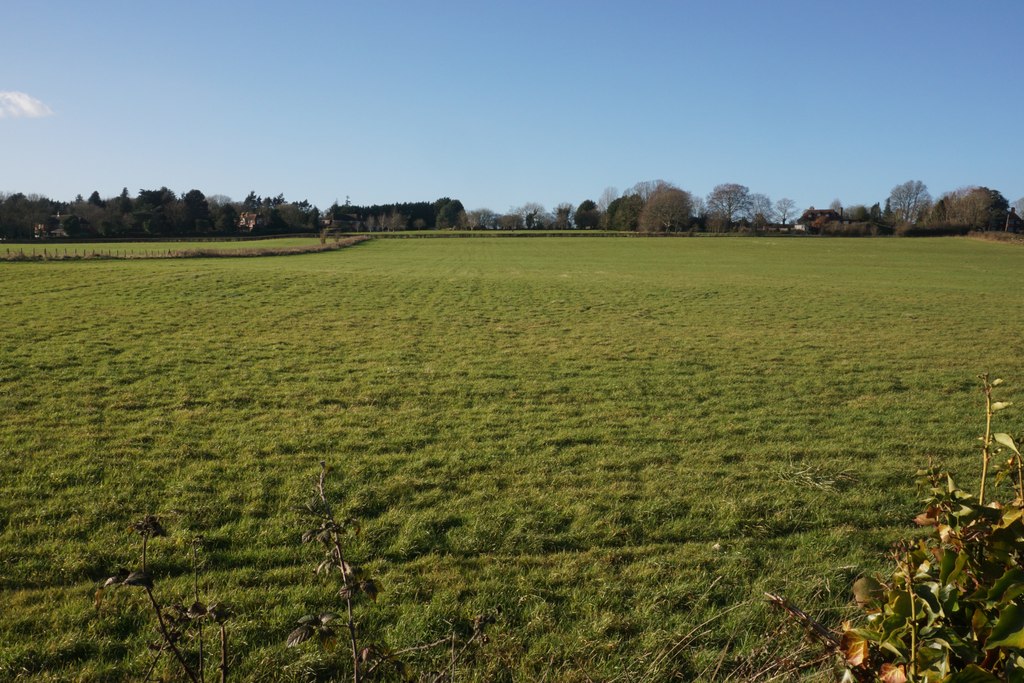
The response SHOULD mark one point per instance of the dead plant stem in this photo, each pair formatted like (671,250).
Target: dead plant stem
(339,555)
(167,637)
(986,444)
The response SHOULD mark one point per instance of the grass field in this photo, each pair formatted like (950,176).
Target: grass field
(153,248)
(619,443)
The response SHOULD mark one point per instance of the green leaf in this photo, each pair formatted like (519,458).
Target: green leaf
(900,605)
(1007,441)
(966,650)
(949,596)
(1009,516)
(933,655)
(952,566)
(980,624)
(1009,585)
(972,673)
(928,597)
(1009,629)
(1001,405)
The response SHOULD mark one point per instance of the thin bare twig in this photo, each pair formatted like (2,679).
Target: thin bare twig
(824,635)
(424,646)
(167,637)
(455,657)
(688,637)
(195,586)
(152,665)
(986,442)
(223,654)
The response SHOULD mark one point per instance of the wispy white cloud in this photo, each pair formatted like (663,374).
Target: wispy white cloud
(16,105)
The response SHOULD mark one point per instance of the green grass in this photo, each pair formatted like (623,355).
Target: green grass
(153,247)
(613,441)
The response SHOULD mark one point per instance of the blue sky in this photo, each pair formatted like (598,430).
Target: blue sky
(499,104)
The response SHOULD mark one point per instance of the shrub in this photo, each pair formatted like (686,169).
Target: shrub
(938,230)
(861,229)
(953,607)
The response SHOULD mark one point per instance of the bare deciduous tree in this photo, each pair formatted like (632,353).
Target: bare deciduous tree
(785,209)
(481,218)
(609,195)
(700,208)
(394,221)
(909,201)
(761,210)
(980,208)
(218,200)
(857,213)
(510,221)
(533,215)
(646,188)
(728,203)
(668,208)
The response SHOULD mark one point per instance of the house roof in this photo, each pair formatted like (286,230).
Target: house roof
(812,214)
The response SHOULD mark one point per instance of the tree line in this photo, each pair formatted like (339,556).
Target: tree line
(660,206)
(648,206)
(150,213)
(164,213)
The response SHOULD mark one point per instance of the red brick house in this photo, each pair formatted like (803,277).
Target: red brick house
(249,221)
(813,219)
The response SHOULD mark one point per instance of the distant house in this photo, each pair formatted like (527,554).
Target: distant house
(813,219)
(1014,223)
(53,227)
(249,221)
(44,231)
